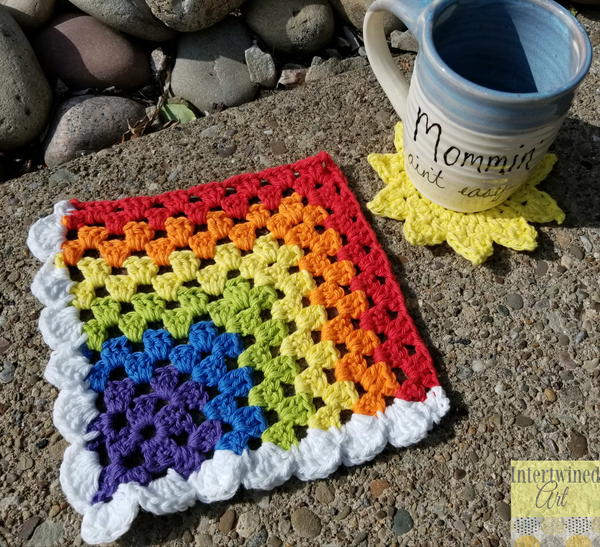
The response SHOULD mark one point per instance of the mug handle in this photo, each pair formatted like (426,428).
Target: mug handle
(389,75)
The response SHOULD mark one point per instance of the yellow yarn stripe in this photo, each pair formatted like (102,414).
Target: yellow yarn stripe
(267,265)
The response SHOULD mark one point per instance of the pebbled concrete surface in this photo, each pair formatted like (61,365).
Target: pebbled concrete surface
(524,380)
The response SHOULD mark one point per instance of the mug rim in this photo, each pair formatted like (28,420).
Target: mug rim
(482,92)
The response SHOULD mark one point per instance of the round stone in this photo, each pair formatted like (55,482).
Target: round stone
(305,523)
(403,522)
(131,16)
(459,474)
(30,14)
(89,123)
(578,445)
(83,52)
(550,395)
(292,26)
(354,11)
(192,15)
(324,493)
(514,300)
(577,252)
(25,96)
(210,71)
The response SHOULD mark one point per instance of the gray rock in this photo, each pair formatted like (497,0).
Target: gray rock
(25,96)
(83,53)
(261,67)
(523,421)
(403,522)
(514,300)
(576,252)
(28,527)
(305,523)
(131,16)
(324,493)
(503,310)
(47,534)
(566,360)
(404,41)
(301,26)
(247,523)
(25,462)
(578,445)
(478,366)
(192,15)
(503,510)
(62,176)
(89,123)
(7,373)
(212,131)
(259,538)
(354,12)
(30,14)
(541,268)
(460,474)
(210,71)
(587,244)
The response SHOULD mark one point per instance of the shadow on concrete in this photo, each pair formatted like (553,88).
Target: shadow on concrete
(574,182)
(589,11)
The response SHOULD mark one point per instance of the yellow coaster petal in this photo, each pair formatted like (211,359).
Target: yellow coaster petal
(471,235)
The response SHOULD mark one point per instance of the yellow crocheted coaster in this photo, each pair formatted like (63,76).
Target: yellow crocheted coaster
(470,234)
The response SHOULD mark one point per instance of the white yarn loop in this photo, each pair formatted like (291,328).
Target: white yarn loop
(47,234)
(67,368)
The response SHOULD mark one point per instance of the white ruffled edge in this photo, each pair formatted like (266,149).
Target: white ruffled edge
(316,456)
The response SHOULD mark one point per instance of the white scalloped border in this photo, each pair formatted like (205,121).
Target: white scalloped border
(315,457)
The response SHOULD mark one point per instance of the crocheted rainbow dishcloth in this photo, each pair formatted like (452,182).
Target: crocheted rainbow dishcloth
(235,333)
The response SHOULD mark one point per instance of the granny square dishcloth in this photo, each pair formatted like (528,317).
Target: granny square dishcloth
(471,235)
(236,333)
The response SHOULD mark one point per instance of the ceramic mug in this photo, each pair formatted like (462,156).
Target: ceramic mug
(492,83)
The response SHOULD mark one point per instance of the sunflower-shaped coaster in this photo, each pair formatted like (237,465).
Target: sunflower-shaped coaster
(471,235)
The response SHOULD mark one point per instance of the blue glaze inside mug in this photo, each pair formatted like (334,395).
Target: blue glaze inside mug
(509,46)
